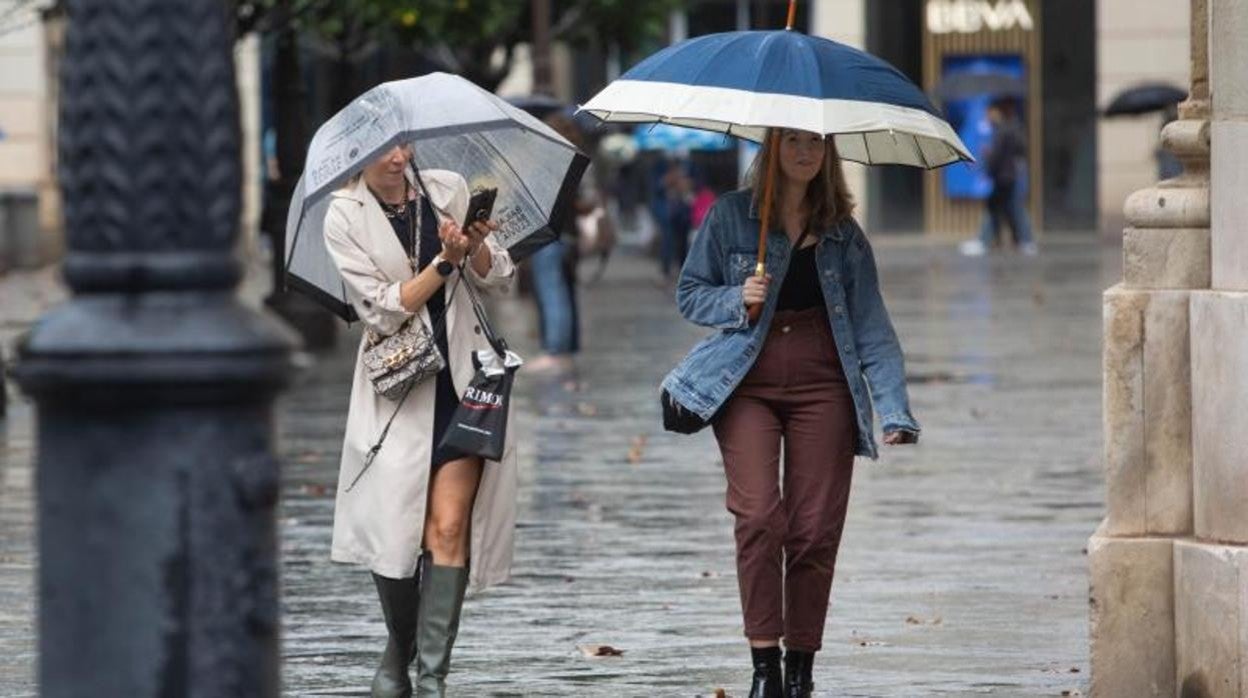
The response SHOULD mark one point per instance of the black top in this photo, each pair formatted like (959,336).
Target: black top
(801,288)
(445,400)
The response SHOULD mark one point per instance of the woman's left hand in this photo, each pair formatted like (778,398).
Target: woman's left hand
(894,438)
(478,231)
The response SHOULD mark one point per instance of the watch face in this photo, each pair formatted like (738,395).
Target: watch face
(445,268)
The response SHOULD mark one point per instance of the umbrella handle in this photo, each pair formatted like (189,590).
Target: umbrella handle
(755,311)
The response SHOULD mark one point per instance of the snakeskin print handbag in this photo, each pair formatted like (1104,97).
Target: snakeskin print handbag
(405,358)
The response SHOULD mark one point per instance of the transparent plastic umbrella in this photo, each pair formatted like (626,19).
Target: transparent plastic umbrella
(452,125)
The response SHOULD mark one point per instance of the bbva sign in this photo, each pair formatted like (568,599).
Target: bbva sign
(970,16)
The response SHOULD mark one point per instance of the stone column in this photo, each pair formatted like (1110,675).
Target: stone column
(157,482)
(1148,409)
(1211,568)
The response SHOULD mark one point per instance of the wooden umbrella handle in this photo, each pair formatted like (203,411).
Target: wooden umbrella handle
(760,269)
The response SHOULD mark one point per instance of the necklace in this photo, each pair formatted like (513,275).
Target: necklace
(399,210)
(394,210)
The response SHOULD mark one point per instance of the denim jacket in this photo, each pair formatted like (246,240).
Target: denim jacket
(723,254)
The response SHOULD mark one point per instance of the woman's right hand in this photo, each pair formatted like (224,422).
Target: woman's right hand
(455,244)
(754,291)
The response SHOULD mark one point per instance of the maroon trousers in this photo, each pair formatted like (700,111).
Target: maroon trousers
(788,526)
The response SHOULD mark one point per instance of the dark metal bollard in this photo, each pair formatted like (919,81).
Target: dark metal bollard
(155,469)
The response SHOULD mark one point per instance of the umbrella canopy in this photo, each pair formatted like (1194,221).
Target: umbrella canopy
(745,82)
(1145,98)
(669,137)
(538,105)
(972,84)
(452,125)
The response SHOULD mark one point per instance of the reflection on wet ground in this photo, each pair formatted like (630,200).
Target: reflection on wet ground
(962,569)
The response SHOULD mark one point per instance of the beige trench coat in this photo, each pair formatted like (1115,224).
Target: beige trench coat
(380,522)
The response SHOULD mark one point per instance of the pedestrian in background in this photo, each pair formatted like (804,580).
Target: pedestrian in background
(554,273)
(407,515)
(1005,162)
(675,217)
(801,381)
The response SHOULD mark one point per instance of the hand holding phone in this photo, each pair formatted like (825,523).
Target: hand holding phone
(480,208)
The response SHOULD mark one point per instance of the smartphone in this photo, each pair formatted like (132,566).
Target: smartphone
(480,207)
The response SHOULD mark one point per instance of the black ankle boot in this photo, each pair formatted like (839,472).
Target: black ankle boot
(797,669)
(768,682)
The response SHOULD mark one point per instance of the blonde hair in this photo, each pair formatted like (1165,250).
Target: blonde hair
(827,198)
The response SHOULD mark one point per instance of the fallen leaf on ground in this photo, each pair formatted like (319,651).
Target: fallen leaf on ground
(915,620)
(637,449)
(600,651)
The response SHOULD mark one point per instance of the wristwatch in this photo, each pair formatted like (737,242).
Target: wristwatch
(443,266)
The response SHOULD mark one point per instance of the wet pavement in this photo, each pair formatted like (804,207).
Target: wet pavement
(962,570)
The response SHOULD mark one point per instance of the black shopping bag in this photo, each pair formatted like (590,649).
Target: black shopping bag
(479,427)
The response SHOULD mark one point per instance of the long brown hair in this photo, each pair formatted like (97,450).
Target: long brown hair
(827,200)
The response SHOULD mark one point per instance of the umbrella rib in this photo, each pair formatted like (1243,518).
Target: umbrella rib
(290,256)
(922,157)
(866,147)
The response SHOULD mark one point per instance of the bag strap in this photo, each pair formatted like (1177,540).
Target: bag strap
(497,343)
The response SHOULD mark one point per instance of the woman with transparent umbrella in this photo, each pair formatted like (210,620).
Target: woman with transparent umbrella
(374,235)
(397,247)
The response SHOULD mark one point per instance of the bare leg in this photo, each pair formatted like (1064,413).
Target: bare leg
(452,489)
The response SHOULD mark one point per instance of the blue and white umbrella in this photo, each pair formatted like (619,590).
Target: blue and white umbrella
(745,82)
(669,137)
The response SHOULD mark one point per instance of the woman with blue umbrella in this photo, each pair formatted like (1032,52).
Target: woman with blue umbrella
(805,352)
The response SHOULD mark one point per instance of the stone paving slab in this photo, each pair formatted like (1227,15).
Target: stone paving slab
(961,571)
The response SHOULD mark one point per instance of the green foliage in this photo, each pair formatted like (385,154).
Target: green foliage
(468,36)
